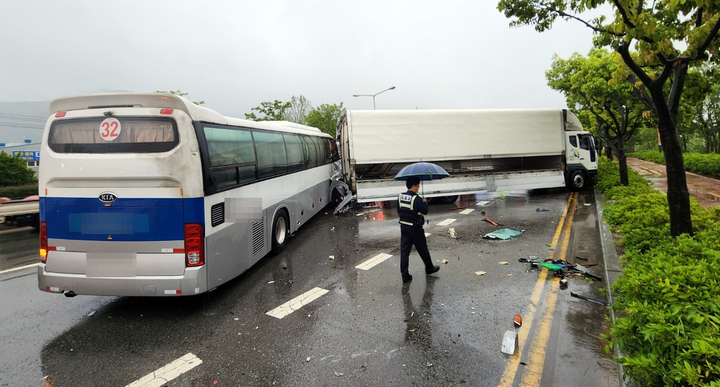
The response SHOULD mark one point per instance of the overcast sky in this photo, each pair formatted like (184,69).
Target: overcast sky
(235,54)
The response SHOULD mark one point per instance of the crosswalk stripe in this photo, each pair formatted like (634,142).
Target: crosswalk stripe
(482,203)
(297,302)
(469,210)
(370,263)
(446,222)
(163,375)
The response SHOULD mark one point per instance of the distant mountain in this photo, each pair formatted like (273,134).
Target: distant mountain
(22,120)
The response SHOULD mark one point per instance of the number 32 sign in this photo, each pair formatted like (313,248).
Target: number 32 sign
(110,129)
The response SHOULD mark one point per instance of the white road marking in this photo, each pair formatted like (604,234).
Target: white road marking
(370,263)
(162,376)
(297,303)
(482,203)
(469,210)
(427,234)
(446,222)
(18,268)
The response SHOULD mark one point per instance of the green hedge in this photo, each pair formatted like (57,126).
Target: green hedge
(668,297)
(19,191)
(704,164)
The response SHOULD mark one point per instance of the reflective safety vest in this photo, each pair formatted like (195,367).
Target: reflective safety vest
(408,216)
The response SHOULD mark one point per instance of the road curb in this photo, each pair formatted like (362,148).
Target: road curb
(613,269)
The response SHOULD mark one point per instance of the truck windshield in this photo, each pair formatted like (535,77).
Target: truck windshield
(113,135)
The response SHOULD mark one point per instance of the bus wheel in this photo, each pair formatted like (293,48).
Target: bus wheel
(280,232)
(578,181)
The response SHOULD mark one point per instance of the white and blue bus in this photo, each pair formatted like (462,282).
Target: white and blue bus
(146,194)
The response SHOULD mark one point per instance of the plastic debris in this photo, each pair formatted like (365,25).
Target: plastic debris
(503,263)
(541,209)
(563,283)
(91,314)
(503,234)
(588,298)
(509,343)
(453,234)
(550,266)
(332,257)
(271,282)
(492,222)
(517,320)
(480,272)
(445,261)
(339,374)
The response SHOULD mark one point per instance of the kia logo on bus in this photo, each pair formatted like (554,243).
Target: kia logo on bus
(107,197)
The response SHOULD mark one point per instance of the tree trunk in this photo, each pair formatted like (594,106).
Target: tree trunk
(677,195)
(622,161)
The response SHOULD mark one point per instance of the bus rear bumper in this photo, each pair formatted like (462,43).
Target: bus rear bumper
(193,281)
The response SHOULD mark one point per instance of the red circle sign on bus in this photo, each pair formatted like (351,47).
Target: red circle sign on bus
(109,129)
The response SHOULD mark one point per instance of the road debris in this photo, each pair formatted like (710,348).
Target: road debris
(457,208)
(517,320)
(563,283)
(503,263)
(453,234)
(541,210)
(338,374)
(509,343)
(494,223)
(444,261)
(550,266)
(332,257)
(600,302)
(503,234)
(92,313)
(271,282)
(480,272)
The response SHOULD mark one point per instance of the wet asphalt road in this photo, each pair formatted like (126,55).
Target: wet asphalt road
(369,329)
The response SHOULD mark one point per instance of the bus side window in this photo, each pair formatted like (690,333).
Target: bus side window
(324,149)
(311,147)
(293,145)
(271,156)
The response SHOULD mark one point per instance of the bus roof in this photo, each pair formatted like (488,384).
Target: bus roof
(170,101)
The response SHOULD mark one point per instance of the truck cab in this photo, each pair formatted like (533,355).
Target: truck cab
(580,159)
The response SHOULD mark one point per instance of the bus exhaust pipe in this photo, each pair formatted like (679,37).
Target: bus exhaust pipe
(70,294)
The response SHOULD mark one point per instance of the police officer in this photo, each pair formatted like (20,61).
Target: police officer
(411,208)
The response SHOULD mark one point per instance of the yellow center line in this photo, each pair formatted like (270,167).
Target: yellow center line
(532,374)
(511,367)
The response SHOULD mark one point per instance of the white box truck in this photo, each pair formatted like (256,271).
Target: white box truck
(482,150)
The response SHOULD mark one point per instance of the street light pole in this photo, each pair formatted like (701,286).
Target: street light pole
(374,95)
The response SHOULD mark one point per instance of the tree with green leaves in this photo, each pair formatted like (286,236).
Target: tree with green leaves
(270,111)
(179,94)
(667,36)
(14,171)
(299,109)
(705,106)
(596,87)
(325,117)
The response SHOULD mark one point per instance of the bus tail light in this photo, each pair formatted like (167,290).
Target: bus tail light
(166,111)
(43,242)
(194,242)
(60,114)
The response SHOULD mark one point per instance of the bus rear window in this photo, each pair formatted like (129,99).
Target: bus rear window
(113,135)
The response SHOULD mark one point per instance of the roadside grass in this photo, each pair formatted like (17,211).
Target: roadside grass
(701,163)
(668,297)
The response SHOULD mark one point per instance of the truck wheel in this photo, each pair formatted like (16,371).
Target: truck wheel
(280,231)
(450,199)
(577,181)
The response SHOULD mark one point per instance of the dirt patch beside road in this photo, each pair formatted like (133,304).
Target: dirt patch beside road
(704,189)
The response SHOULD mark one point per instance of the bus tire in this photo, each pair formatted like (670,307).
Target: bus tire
(280,231)
(578,181)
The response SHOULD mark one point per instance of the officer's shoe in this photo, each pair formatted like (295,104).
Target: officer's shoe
(434,269)
(407,278)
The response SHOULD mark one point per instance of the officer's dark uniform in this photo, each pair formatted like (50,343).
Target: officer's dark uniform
(411,209)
